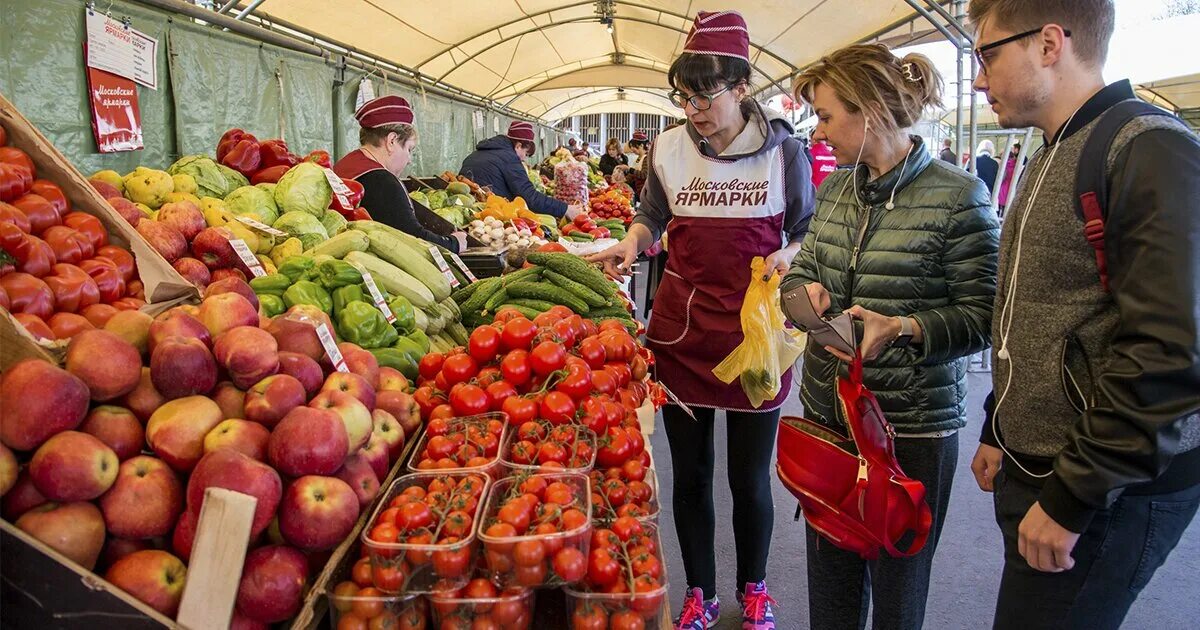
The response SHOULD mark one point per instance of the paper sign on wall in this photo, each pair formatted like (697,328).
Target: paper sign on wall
(116,117)
(114,47)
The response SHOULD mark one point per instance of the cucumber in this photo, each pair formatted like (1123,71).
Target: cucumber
(593,299)
(458,333)
(487,288)
(537,305)
(548,293)
(576,269)
(498,298)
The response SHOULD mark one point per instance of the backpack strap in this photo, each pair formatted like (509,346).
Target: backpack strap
(1091,180)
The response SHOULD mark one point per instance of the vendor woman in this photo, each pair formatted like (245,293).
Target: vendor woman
(498,164)
(388,139)
(730,185)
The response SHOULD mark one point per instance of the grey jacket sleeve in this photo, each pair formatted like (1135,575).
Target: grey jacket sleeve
(1152,380)
(654,213)
(969,262)
(799,191)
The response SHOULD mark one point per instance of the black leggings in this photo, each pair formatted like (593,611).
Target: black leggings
(750,448)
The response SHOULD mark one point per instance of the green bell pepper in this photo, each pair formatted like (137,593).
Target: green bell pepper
(396,359)
(271,284)
(343,296)
(409,347)
(421,339)
(271,304)
(336,273)
(311,293)
(363,324)
(406,314)
(294,267)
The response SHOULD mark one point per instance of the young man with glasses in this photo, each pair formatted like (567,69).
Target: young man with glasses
(1093,449)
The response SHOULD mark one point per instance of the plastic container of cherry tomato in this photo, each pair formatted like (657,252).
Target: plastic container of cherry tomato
(581,435)
(510,609)
(376,611)
(493,467)
(643,609)
(604,512)
(537,559)
(420,567)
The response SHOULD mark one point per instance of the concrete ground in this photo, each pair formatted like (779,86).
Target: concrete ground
(966,569)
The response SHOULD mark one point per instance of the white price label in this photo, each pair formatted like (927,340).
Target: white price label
(247,256)
(463,267)
(340,189)
(376,294)
(260,226)
(440,261)
(331,349)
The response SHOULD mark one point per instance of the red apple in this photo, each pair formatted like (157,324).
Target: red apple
(184,216)
(352,384)
(232,284)
(272,585)
(357,472)
(133,327)
(376,454)
(229,469)
(152,576)
(403,407)
(144,399)
(308,441)
(230,399)
(391,380)
(386,428)
(117,548)
(166,240)
(118,428)
(193,271)
(75,530)
(246,437)
(355,416)
(108,364)
(272,398)
(26,420)
(242,622)
(144,502)
(21,498)
(226,311)
(182,367)
(9,470)
(177,323)
(177,430)
(124,207)
(213,249)
(317,512)
(73,466)
(295,330)
(361,362)
(304,369)
(248,354)
(184,535)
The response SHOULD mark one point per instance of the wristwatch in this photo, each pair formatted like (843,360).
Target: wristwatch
(906,334)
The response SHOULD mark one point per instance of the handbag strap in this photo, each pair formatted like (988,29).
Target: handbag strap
(915,492)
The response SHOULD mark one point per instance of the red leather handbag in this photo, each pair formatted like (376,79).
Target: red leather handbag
(851,490)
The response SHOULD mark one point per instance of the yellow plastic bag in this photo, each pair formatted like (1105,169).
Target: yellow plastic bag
(769,349)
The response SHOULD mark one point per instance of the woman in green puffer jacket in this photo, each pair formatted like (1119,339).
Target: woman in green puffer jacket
(908,245)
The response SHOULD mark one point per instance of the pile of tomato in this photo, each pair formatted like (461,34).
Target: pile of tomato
(59,274)
(358,605)
(536,530)
(540,445)
(426,532)
(461,444)
(624,587)
(625,490)
(482,604)
(613,202)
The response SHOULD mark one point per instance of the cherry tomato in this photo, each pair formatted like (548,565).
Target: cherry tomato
(451,563)
(626,620)
(508,612)
(573,519)
(427,400)
(484,344)
(516,367)
(570,564)
(614,448)
(413,516)
(457,523)
(603,568)
(523,452)
(518,334)
(533,575)
(615,491)
(361,573)
(470,400)
(500,530)
(548,357)
(480,588)
(589,616)
(552,452)
(459,368)
(527,553)
(646,564)
(532,431)
(442,412)
(430,365)
(558,408)
(515,514)
(577,384)
(626,528)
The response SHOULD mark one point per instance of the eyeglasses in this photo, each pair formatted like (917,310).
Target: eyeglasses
(700,102)
(979,52)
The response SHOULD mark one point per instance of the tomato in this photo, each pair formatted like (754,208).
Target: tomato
(565,332)
(67,325)
(107,277)
(533,575)
(618,344)
(351,622)
(620,372)
(442,412)
(615,491)
(32,254)
(603,568)
(369,603)
(626,620)
(547,357)
(639,491)
(552,247)
(573,519)
(68,244)
(484,344)
(451,563)
(603,381)
(15,181)
(646,564)
(99,314)
(413,516)
(577,384)
(9,215)
(531,431)
(15,156)
(459,368)
(564,434)
(498,392)
(605,539)
(523,452)
(591,350)
(527,553)
(457,523)
(558,408)
(589,616)
(639,368)
(626,528)
(612,325)
(480,588)
(122,259)
(545,320)
(470,400)
(507,314)
(89,226)
(552,452)
(427,400)
(518,334)
(516,367)
(500,530)
(361,573)
(561,311)
(519,410)
(430,365)
(593,415)
(614,448)
(437,427)
(515,513)
(637,442)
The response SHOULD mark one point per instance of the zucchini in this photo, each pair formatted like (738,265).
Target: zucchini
(449,315)
(340,245)
(548,293)
(420,319)
(458,333)
(593,299)
(540,306)
(437,321)
(576,269)
(453,306)
(394,250)
(393,279)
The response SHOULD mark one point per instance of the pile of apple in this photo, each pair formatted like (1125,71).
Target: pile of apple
(119,445)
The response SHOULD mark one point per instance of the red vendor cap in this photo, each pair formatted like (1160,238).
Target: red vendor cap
(639,136)
(521,130)
(720,33)
(385,110)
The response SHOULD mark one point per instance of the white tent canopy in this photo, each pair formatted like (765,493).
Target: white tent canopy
(524,53)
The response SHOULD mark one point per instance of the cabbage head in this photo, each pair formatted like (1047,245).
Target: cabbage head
(210,180)
(253,201)
(334,222)
(304,189)
(303,226)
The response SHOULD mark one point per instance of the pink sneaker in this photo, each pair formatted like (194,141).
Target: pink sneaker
(698,614)
(757,613)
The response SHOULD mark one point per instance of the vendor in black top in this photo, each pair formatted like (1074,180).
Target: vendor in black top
(388,139)
(612,157)
(497,164)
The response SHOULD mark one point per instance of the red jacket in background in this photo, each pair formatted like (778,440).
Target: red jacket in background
(823,162)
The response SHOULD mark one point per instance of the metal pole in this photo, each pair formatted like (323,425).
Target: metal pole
(248,10)
(955,22)
(237,26)
(1020,167)
(958,96)
(226,7)
(934,21)
(974,115)
(1000,172)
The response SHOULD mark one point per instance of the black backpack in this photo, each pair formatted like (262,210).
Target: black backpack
(1091,181)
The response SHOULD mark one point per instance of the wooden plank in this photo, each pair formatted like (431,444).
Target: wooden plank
(222,536)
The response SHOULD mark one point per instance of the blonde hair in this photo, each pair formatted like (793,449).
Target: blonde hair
(612,143)
(893,93)
(375,136)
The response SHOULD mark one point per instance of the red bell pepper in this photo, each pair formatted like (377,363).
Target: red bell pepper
(89,226)
(320,156)
(243,157)
(352,200)
(27,294)
(108,278)
(69,245)
(33,255)
(275,153)
(228,139)
(269,175)
(74,290)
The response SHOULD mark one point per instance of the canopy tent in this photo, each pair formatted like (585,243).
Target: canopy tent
(526,53)
(1177,94)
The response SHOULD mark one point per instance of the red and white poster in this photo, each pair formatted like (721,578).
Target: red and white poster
(116,119)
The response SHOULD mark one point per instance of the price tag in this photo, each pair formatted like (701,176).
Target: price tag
(443,267)
(376,294)
(340,189)
(463,267)
(260,226)
(247,256)
(331,349)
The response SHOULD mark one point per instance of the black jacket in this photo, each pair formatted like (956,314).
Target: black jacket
(387,201)
(609,163)
(495,165)
(986,168)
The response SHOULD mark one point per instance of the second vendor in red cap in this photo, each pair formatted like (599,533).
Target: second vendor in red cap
(388,138)
(497,164)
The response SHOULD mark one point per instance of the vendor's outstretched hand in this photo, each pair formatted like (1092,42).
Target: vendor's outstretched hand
(618,259)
